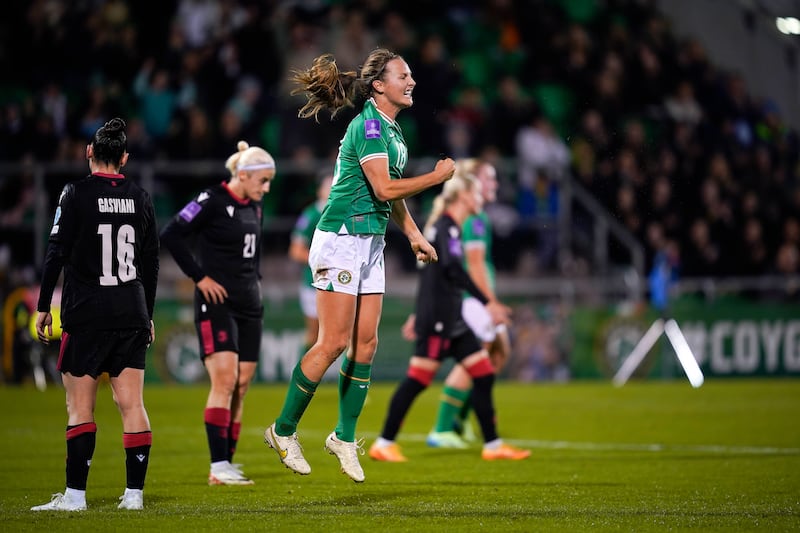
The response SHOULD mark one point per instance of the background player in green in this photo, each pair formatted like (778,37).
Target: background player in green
(452,426)
(441,331)
(298,251)
(346,255)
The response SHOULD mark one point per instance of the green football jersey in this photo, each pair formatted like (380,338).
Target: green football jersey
(352,207)
(304,229)
(478,229)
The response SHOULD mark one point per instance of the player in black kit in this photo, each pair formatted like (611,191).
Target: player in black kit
(104,236)
(440,328)
(224,221)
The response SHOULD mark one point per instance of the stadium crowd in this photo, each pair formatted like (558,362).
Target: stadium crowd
(676,148)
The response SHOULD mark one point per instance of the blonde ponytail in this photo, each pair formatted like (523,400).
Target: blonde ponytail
(233,161)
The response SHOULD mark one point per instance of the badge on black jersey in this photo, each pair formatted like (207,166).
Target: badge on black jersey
(190,211)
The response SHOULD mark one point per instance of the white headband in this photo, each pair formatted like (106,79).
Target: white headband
(257,166)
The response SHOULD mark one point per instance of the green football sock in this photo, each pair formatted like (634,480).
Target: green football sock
(451,402)
(353,389)
(466,409)
(301,390)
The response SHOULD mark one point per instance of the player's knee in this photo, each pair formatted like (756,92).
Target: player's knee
(422,375)
(224,383)
(333,345)
(366,348)
(482,367)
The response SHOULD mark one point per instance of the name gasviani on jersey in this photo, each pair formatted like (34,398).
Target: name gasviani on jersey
(116,205)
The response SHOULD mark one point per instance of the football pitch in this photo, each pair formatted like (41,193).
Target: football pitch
(652,456)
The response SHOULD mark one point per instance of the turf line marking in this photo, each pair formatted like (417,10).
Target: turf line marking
(311,435)
(614,447)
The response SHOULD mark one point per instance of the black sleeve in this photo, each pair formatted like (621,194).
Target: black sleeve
(150,250)
(258,248)
(177,235)
(451,256)
(58,247)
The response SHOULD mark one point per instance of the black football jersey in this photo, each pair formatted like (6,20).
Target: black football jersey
(105,238)
(218,235)
(441,284)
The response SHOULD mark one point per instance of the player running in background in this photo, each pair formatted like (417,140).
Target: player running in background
(224,224)
(452,426)
(298,251)
(105,239)
(440,328)
(347,250)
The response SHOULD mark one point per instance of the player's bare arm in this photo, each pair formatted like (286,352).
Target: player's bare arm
(387,189)
(423,250)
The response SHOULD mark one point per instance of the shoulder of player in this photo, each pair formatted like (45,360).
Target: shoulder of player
(211,195)
(477,223)
(448,224)
(370,113)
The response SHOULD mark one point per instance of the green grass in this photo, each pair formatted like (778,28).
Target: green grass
(652,456)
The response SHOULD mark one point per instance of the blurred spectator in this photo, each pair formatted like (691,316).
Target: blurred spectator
(198,20)
(753,256)
(507,114)
(646,93)
(702,255)
(16,132)
(351,40)
(663,206)
(247,104)
(575,51)
(664,273)
(544,211)
(94,111)
(433,72)
(157,99)
(681,105)
(787,260)
(53,102)
(466,123)
(399,36)
(17,196)
(539,150)
(196,138)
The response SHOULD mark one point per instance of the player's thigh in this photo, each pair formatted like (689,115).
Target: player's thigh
(337,315)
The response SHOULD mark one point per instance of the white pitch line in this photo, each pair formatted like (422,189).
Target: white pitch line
(634,447)
(311,435)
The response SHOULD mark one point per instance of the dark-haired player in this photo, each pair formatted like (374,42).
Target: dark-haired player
(104,236)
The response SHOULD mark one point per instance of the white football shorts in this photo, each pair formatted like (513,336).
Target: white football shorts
(479,320)
(352,264)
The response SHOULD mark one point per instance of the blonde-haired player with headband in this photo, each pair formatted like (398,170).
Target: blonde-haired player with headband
(224,223)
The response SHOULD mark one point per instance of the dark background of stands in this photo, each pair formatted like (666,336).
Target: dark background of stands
(602,95)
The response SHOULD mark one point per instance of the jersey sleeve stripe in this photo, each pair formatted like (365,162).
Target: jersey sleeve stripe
(370,157)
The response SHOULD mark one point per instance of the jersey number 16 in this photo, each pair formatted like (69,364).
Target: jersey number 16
(126,237)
